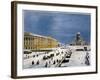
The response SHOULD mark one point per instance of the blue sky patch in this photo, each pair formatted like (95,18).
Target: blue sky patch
(60,25)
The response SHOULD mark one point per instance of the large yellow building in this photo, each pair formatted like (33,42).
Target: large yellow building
(38,42)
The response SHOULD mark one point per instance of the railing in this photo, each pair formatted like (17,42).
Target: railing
(69,52)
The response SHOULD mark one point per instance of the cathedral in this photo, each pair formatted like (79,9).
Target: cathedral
(79,40)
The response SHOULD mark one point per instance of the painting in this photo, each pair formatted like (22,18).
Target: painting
(53,39)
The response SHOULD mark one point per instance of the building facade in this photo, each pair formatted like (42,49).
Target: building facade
(38,42)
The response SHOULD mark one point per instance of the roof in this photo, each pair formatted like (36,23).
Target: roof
(32,34)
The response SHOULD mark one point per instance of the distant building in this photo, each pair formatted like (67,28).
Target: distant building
(78,40)
(38,42)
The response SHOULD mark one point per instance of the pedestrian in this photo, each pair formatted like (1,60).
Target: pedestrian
(32,62)
(46,64)
(37,62)
(87,62)
(54,62)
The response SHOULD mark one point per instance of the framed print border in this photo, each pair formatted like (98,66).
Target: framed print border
(14,46)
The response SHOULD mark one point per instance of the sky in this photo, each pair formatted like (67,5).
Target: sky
(62,26)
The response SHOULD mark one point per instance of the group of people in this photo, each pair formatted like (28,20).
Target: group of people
(50,59)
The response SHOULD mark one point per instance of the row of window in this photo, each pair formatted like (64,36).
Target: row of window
(26,38)
(38,42)
(37,38)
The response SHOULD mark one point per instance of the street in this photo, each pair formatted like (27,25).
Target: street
(57,57)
